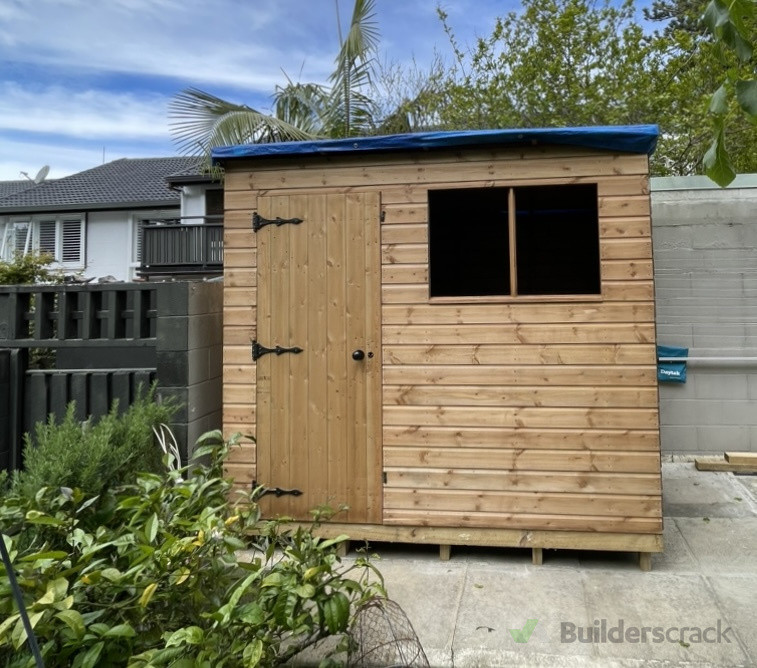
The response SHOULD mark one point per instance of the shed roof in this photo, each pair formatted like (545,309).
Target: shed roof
(124,183)
(625,138)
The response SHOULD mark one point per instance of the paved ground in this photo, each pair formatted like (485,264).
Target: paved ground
(462,609)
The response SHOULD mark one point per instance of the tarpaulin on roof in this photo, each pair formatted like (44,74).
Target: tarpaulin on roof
(624,138)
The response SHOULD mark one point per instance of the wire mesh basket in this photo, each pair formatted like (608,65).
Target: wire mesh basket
(383,637)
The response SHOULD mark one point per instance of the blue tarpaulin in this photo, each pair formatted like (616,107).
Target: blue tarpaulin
(624,138)
(671,372)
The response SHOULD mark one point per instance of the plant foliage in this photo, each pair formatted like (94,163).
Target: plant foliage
(28,269)
(96,453)
(148,574)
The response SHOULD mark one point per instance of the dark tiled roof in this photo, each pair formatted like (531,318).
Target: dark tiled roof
(122,183)
(8,188)
(199,172)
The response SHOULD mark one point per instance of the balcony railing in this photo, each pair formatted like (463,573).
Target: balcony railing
(172,247)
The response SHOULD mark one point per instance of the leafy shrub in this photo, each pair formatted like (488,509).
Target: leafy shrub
(148,575)
(29,268)
(94,454)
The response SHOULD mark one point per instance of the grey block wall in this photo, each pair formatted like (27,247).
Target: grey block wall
(189,355)
(705,254)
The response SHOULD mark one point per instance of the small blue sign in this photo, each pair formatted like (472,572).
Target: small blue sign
(671,372)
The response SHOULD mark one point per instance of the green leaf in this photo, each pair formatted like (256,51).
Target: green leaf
(39,556)
(334,541)
(716,162)
(5,625)
(120,631)
(730,36)
(92,655)
(190,635)
(305,591)
(19,632)
(253,653)
(151,527)
(719,101)
(111,574)
(746,94)
(38,517)
(73,620)
(715,16)
(336,612)
(147,594)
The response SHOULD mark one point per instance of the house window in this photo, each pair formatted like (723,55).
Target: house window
(214,202)
(514,242)
(60,237)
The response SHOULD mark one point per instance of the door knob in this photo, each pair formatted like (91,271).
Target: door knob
(357,355)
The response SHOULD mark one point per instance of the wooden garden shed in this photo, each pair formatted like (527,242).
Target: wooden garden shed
(451,333)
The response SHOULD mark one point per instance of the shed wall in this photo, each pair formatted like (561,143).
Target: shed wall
(526,414)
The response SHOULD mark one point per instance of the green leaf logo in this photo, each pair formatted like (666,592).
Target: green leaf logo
(522,635)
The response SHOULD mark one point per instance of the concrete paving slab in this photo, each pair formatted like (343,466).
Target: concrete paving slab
(662,602)
(687,492)
(429,592)
(736,597)
(494,603)
(676,557)
(721,545)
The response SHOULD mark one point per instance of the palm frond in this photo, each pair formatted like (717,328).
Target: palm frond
(354,63)
(201,121)
(304,106)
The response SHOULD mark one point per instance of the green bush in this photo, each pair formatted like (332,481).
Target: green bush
(148,575)
(94,454)
(29,268)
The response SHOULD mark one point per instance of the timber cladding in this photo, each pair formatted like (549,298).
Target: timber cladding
(509,410)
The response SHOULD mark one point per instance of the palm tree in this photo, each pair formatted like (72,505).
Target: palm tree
(202,121)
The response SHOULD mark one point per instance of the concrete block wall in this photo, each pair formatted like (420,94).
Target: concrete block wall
(705,254)
(189,355)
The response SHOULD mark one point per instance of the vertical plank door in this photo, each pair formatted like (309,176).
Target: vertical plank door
(319,410)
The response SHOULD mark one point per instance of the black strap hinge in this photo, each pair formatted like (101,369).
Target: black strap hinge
(276,491)
(258,222)
(258,351)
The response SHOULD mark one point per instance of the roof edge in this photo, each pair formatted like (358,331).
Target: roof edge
(86,208)
(626,138)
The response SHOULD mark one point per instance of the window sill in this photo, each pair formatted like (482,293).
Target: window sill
(506,299)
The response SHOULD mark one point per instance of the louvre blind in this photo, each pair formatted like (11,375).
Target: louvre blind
(71,251)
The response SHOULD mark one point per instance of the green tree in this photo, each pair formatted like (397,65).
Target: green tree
(202,121)
(555,63)
(576,62)
(732,26)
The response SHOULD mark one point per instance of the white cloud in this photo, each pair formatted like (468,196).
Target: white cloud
(87,114)
(227,42)
(28,156)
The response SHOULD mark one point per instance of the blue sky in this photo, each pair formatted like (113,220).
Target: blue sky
(87,80)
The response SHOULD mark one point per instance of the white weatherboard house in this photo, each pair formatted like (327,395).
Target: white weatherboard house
(90,221)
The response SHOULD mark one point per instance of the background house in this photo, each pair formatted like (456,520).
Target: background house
(90,222)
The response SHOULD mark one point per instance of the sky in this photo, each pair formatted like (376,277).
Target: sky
(84,82)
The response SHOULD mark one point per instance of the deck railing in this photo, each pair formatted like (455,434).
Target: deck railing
(171,246)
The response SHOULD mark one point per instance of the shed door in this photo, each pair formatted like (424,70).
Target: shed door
(318,411)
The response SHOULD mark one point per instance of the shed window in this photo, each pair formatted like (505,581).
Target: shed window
(510,242)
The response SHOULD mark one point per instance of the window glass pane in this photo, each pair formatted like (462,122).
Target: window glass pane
(557,240)
(214,202)
(21,237)
(468,242)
